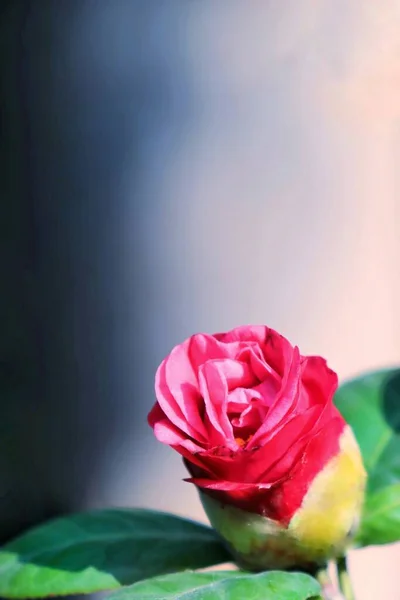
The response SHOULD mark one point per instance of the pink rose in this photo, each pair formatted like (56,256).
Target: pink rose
(253,419)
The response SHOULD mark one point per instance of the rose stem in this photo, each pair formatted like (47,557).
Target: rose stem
(328,589)
(344,578)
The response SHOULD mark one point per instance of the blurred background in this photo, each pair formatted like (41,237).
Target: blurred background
(174,167)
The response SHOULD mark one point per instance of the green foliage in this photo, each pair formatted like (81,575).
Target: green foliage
(371,405)
(103,550)
(223,585)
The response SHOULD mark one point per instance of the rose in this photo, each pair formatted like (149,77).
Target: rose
(278,469)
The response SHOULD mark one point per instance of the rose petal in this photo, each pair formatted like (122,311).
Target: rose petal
(181,380)
(283,402)
(267,392)
(248,497)
(279,455)
(216,378)
(156,414)
(167,433)
(170,406)
(228,486)
(319,381)
(252,416)
(213,379)
(276,349)
(244,333)
(252,354)
(203,348)
(237,401)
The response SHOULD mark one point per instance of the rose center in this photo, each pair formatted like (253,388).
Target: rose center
(247,409)
(241,442)
(246,418)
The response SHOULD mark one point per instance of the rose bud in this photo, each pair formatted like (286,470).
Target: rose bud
(279,471)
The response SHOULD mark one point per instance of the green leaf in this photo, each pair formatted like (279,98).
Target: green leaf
(102,550)
(223,585)
(381,519)
(371,405)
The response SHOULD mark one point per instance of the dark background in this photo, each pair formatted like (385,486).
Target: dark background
(74,111)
